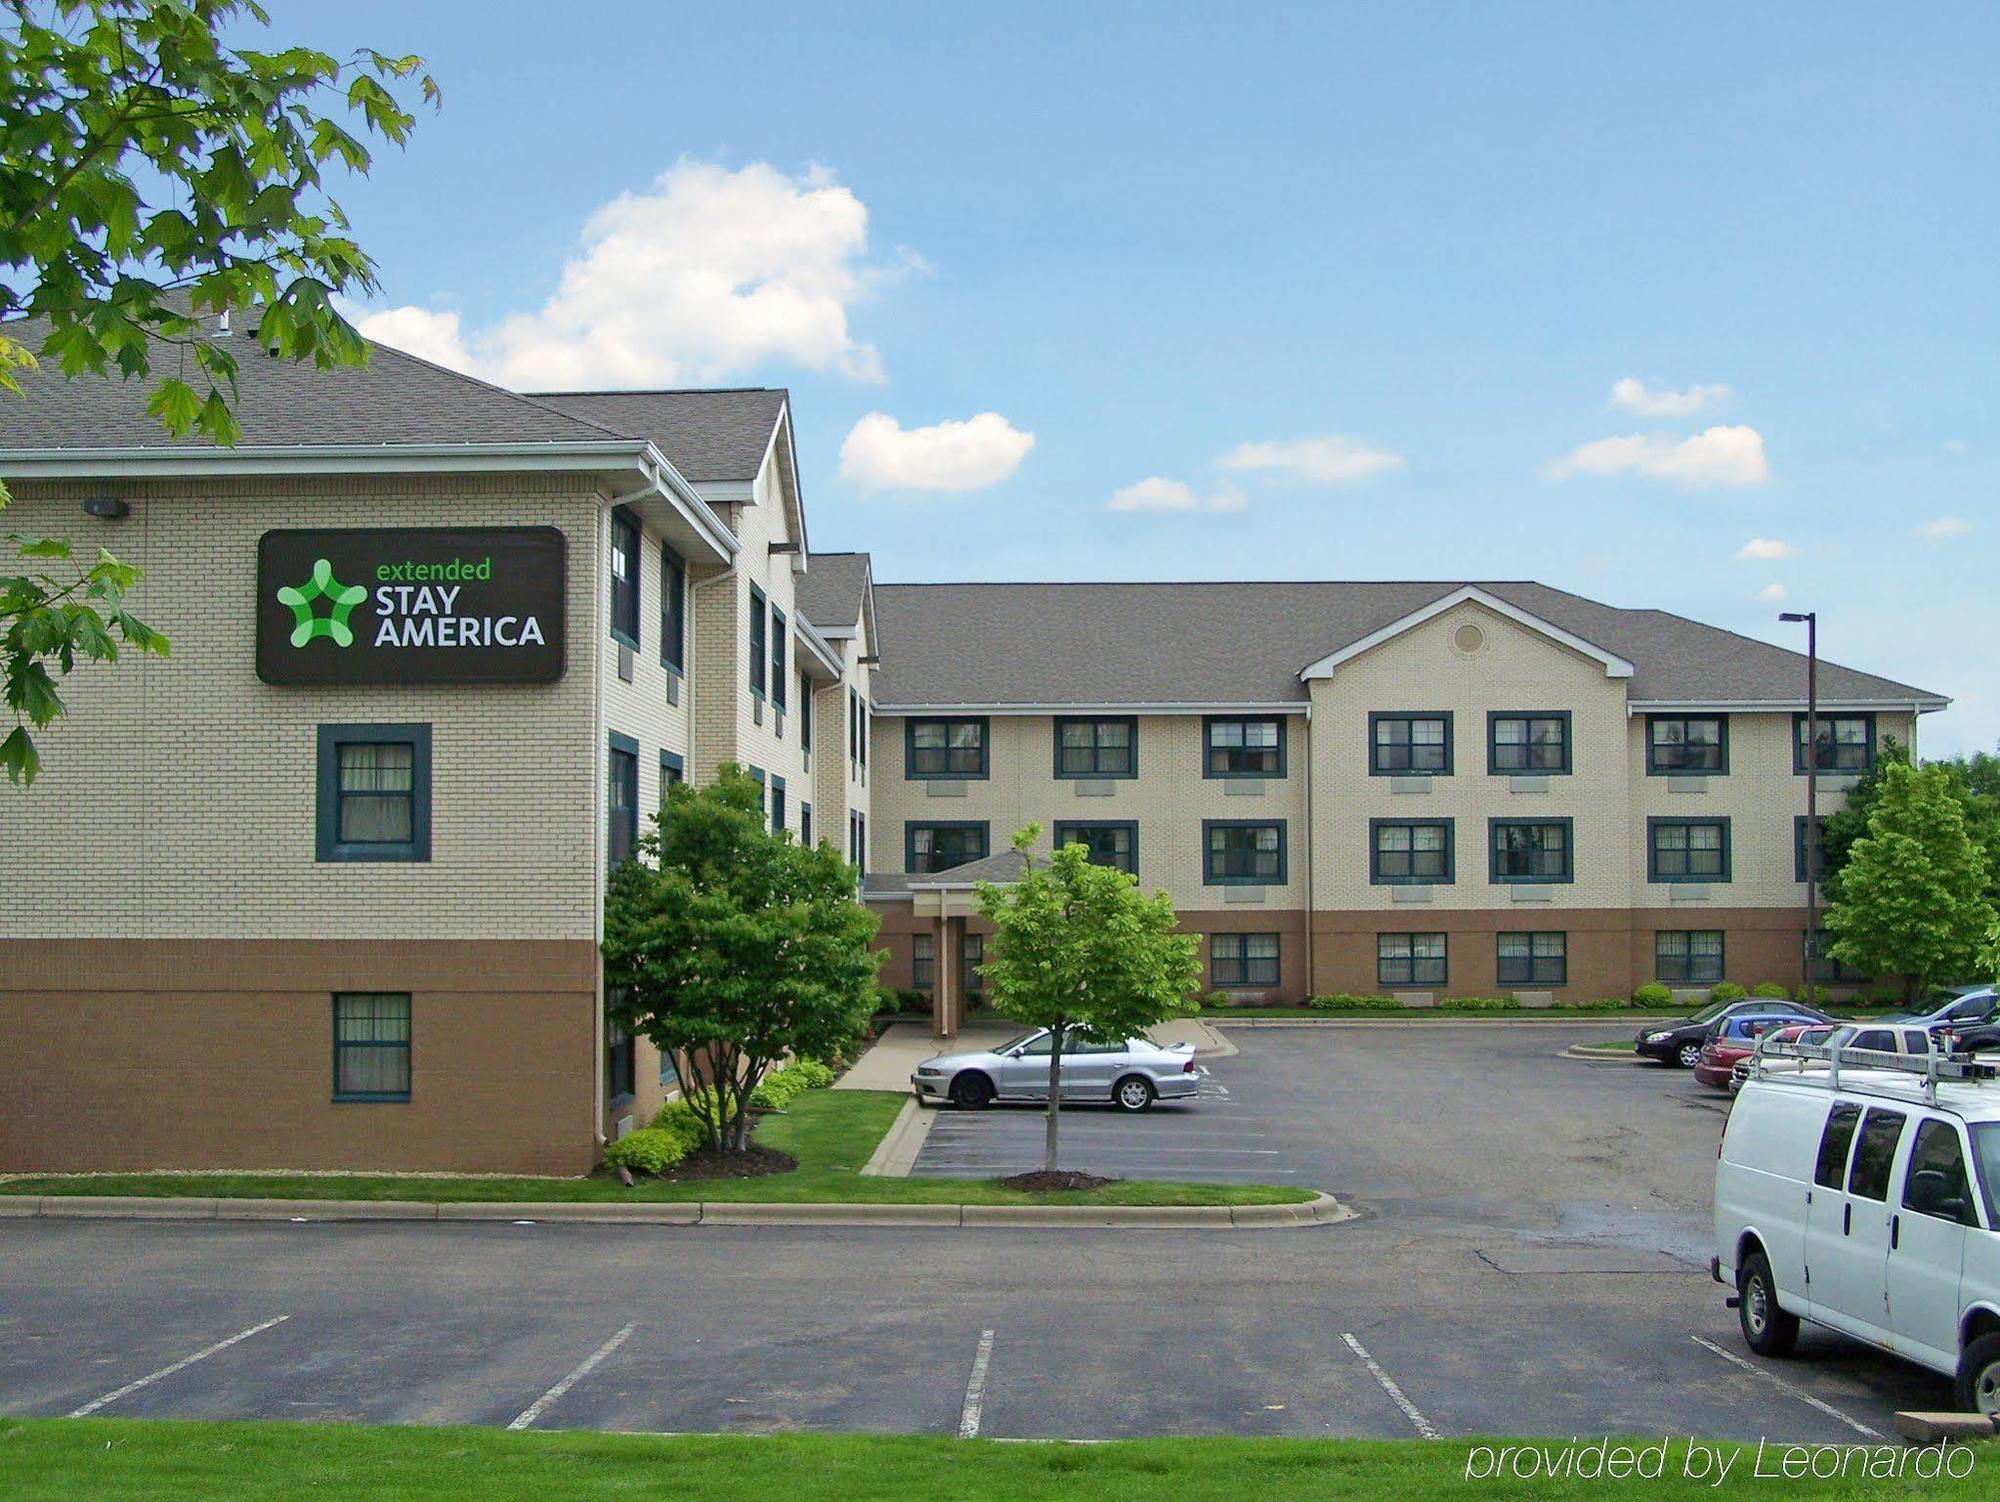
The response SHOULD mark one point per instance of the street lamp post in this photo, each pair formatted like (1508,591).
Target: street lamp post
(1811,619)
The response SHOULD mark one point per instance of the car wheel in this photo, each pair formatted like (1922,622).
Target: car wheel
(1689,1055)
(1767,1329)
(1133,1093)
(971,1091)
(1979,1376)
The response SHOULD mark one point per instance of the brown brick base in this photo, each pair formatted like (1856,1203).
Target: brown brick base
(219,1054)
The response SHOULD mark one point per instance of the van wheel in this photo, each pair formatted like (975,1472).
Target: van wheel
(1979,1376)
(1767,1329)
(971,1091)
(1133,1093)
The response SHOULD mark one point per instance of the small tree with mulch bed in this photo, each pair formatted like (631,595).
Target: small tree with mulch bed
(732,947)
(1080,950)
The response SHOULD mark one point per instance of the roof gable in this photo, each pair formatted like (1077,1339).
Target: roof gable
(1614,665)
(711,437)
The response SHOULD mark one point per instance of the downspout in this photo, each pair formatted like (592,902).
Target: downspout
(1312,902)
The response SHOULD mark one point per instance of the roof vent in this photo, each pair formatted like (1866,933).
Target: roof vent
(1468,639)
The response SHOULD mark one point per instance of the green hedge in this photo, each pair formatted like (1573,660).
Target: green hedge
(1653,994)
(785,1084)
(651,1149)
(1726,990)
(1341,1002)
(1770,990)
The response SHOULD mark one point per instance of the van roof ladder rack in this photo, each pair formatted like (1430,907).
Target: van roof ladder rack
(1930,1068)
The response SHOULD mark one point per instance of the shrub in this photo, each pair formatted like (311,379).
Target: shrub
(679,1118)
(1217,1001)
(1342,1002)
(1769,990)
(1812,996)
(1726,990)
(1653,994)
(1602,1004)
(651,1149)
(781,1086)
(1478,1003)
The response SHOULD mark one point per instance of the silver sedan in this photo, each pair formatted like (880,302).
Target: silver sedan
(1130,1075)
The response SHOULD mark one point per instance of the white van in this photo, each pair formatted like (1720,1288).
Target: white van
(1867,1199)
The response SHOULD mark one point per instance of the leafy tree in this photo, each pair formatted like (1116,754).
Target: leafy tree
(1911,900)
(148,175)
(1848,823)
(1974,781)
(1080,950)
(735,948)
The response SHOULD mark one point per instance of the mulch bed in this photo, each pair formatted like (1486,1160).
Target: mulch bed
(752,1163)
(1041,1181)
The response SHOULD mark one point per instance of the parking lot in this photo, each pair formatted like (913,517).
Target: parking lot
(1529,1260)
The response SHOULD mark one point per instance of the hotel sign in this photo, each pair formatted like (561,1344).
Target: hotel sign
(411,605)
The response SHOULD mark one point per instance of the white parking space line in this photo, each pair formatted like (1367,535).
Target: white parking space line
(1782,1385)
(1422,1425)
(527,1416)
(167,1371)
(975,1388)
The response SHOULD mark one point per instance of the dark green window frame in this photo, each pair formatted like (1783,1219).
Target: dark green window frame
(328,842)
(934,827)
(621,800)
(1097,751)
(777,804)
(1822,969)
(971,955)
(1234,758)
(1531,957)
(1527,747)
(1677,961)
(1668,757)
(1383,754)
(623,566)
(759,640)
(1495,837)
(1839,760)
(952,763)
(805,713)
(923,962)
(781,667)
(673,610)
(806,824)
(1232,966)
(362,1025)
(1682,853)
(1799,846)
(1247,856)
(1079,832)
(1399,962)
(1383,874)
(672,770)
(621,1055)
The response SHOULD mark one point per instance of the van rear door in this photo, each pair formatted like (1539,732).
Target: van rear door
(1927,1245)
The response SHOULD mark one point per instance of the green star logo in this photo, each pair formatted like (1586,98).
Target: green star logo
(341,600)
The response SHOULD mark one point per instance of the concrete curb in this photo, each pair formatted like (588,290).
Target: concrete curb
(896,1154)
(1323,1209)
(1574,1052)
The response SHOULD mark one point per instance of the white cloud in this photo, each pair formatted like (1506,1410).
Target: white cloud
(1769,548)
(1943,528)
(1332,460)
(705,275)
(1156,493)
(1715,456)
(1955,445)
(1663,401)
(1773,593)
(879,453)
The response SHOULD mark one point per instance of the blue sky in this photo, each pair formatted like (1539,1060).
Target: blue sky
(1344,290)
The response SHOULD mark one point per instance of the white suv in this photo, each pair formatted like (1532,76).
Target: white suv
(1867,1199)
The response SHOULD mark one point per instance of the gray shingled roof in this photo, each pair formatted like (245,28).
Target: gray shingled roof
(394,399)
(1246,643)
(1004,867)
(831,590)
(707,435)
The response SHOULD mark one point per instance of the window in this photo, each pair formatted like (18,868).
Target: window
(923,961)
(621,1064)
(853,725)
(1531,959)
(1825,970)
(861,722)
(1400,745)
(759,625)
(625,577)
(1685,745)
(1936,1177)
(1409,959)
(1844,743)
(1831,1170)
(673,610)
(777,804)
(1238,960)
(1881,1131)
(781,668)
(1097,748)
(806,825)
(1243,852)
(672,770)
(622,799)
(1686,957)
(861,843)
(1409,852)
(371,1045)
(939,846)
(1528,743)
(1799,825)
(1111,842)
(805,714)
(1687,850)
(971,955)
(945,748)
(374,793)
(1531,850)
(1244,747)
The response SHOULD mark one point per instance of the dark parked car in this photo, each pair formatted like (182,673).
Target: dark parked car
(1967,1010)
(1680,1042)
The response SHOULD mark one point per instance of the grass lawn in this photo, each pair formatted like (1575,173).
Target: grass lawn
(138,1461)
(832,1133)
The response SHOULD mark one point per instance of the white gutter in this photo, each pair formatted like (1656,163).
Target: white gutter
(1290,707)
(808,634)
(1914,706)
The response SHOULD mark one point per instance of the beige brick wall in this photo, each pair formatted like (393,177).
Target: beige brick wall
(640,708)
(178,798)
